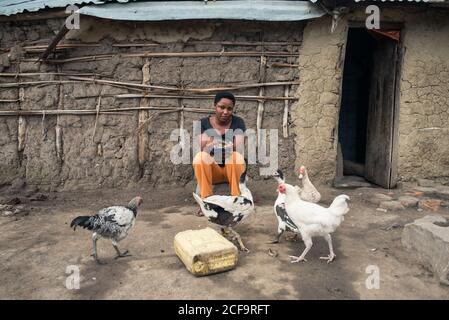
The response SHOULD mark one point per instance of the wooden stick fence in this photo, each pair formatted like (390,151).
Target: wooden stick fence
(223,53)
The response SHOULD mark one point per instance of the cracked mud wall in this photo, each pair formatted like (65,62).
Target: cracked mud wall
(315,115)
(423,144)
(424,104)
(109,158)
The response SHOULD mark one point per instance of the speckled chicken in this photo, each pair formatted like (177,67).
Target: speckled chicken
(112,222)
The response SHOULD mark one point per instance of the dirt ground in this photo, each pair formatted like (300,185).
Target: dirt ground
(36,249)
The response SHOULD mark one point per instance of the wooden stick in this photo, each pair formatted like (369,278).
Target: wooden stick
(44,132)
(96,117)
(244,98)
(285,117)
(58,128)
(197,90)
(260,108)
(182,137)
(31,83)
(21,128)
(115,111)
(68,45)
(152,117)
(62,32)
(33,74)
(163,108)
(143,138)
(60,112)
(59,47)
(226,43)
(284,65)
(14,100)
(169,55)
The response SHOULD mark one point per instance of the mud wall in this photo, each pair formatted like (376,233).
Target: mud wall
(65,152)
(423,145)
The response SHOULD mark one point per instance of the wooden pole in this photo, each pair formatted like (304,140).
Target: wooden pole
(116,111)
(168,55)
(21,127)
(143,138)
(260,108)
(285,117)
(96,117)
(242,98)
(58,128)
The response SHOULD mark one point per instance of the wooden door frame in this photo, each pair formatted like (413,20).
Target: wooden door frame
(394,177)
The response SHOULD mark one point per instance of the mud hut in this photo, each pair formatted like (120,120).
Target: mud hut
(94,105)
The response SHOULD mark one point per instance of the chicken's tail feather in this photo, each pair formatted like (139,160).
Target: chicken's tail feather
(340,206)
(199,201)
(82,221)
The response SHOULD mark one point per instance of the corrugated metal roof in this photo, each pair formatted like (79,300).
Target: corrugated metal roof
(9,7)
(264,10)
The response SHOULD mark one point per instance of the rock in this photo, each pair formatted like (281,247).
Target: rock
(408,201)
(351,182)
(429,243)
(426,183)
(427,191)
(430,204)
(377,198)
(443,192)
(8,213)
(391,205)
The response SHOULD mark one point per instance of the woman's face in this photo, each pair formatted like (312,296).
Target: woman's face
(224,109)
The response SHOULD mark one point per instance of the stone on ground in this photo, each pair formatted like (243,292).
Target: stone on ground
(377,198)
(391,205)
(409,201)
(429,243)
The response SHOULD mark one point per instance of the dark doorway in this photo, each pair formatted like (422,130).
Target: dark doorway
(368,107)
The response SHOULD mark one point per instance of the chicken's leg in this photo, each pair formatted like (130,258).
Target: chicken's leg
(119,254)
(331,255)
(278,236)
(239,239)
(225,232)
(94,240)
(308,242)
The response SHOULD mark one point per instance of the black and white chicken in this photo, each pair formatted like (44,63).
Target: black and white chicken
(112,222)
(228,211)
(285,223)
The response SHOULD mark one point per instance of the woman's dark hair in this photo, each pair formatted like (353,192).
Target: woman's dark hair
(224,94)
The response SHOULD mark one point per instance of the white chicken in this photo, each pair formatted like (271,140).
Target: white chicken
(308,192)
(112,222)
(314,220)
(228,211)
